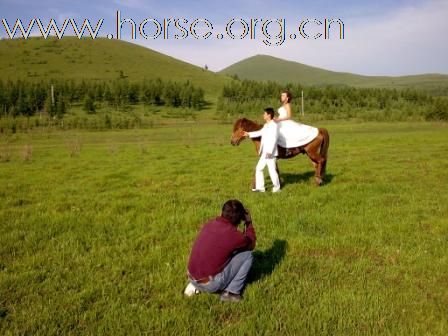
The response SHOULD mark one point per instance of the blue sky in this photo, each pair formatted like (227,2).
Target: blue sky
(382,37)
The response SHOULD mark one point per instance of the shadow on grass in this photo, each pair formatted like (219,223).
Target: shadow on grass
(288,178)
(266,261)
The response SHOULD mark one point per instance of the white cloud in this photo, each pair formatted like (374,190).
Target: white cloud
(409,41)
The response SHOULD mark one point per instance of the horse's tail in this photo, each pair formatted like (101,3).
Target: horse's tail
(325,143)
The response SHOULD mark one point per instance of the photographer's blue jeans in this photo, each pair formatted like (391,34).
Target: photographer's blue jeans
(233,276)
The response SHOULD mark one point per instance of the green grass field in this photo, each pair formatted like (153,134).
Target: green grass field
(96,229)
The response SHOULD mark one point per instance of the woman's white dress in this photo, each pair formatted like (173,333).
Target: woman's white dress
(293,134)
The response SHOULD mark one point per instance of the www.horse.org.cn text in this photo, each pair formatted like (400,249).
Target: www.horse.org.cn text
(272,32)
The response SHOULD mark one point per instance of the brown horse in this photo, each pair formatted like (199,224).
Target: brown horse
(316,150)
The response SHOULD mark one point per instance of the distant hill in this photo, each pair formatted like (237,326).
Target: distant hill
(264,68)
(104,59)
(99,59)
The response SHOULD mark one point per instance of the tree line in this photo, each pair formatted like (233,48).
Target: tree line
(247,97)
(56,96)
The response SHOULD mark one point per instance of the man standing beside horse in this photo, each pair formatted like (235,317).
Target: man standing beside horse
(267,151)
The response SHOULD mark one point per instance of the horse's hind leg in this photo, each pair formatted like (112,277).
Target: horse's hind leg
(318,161)
(319,178)
(278,173)
(324,167)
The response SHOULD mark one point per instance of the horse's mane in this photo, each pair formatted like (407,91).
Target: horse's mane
(247,125)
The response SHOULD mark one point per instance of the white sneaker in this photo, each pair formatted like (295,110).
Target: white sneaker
(258,190)
(191,290)
(275,190)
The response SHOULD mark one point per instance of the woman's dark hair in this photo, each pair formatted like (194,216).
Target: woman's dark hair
(234,211)
(270,111)
(288,94)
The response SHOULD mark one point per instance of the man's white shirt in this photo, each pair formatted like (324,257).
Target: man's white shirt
(269,136)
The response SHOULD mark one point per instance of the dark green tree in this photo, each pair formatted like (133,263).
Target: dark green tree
(89,105)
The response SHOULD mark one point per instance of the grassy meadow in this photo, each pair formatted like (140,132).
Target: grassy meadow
(96,229)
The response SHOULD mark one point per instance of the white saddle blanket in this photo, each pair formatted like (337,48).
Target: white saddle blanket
(292,134)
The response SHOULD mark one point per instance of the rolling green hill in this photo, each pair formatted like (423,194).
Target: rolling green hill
(99,59)
(263,68)
(103,59)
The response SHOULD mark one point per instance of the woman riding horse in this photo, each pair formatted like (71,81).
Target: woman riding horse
(316,149)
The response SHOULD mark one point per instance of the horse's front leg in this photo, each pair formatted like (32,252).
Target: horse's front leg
(278,173)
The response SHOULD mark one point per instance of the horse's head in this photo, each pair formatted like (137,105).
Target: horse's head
(242,125)
(238,132)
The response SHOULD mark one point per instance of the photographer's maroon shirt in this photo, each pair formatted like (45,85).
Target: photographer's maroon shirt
(216,244)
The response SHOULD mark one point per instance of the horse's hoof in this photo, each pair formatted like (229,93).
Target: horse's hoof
(319,181)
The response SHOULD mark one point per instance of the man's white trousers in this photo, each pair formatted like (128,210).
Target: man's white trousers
(259,176)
